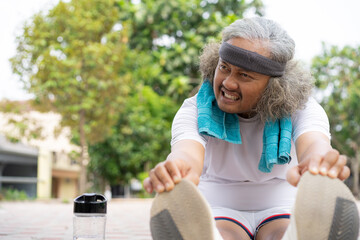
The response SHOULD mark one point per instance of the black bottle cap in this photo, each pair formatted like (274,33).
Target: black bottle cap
(90,203)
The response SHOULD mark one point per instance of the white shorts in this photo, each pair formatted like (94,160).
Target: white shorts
(250,205)
(248,196)
(251,221)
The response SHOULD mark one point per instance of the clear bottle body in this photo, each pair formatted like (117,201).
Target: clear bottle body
(89,226)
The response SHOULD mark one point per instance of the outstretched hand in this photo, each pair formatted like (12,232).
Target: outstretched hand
(168,173)
(185,161)
(332,164)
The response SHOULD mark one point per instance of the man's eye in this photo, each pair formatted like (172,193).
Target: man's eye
(244,75)
(223,68)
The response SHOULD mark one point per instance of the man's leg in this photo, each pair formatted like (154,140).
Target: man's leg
(231,230)
(325,209)
(273,230)
(182,214)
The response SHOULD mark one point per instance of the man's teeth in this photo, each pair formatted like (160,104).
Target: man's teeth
(230,96)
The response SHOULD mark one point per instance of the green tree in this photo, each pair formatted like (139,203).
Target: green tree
(165,38)
(337,71)
(70,59)
(140,139)
(173,32)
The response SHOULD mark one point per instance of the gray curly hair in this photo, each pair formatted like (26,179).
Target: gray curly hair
(283,95)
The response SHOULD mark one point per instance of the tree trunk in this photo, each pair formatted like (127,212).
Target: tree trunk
(84,156)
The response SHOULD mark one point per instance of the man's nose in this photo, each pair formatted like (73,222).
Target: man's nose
(230,82)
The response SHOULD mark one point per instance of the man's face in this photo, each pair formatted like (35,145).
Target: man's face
(238,90)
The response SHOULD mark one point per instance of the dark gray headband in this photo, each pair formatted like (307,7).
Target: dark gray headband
(251,61)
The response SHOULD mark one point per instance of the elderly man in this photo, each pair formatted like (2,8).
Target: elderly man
(246,139)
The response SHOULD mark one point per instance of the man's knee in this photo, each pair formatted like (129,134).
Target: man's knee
(233,233)
(228,234)
(273,231)
(275,235)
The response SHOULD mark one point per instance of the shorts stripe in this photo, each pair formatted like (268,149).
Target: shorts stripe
(237,223)
(272,218)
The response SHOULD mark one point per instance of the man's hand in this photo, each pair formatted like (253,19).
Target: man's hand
(185,161)
(168,173)
(332,164)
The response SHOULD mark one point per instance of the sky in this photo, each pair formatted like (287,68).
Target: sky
(308,22)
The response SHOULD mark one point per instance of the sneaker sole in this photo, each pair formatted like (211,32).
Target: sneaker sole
(325,209)
(181,214)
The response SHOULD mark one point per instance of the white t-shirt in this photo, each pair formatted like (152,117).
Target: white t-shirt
(232,169)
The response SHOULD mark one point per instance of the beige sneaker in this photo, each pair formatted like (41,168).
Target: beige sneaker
(325,209)
(182,214)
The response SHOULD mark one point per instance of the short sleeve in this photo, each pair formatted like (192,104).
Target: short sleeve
(185,124)
(312,118)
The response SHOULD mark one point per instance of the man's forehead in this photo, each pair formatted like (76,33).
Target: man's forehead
(253,61)
(236,67)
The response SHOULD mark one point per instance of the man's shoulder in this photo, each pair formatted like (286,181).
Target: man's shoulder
(191,101)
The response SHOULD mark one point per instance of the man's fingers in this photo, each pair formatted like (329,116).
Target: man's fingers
(329,160)
(193,178)
(336,169)
(164,177)
(332,164)
(314,164)
(344,174)
(168,173)
(148,185)
(156,182)
(174,171)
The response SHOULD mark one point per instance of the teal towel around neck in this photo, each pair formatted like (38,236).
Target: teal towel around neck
(214,122)
(225,126)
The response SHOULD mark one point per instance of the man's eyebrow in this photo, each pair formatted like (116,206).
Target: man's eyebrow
(223,61)
(237,68)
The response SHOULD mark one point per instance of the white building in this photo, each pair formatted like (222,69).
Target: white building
(57,170)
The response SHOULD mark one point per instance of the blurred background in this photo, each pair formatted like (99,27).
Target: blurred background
(89,88)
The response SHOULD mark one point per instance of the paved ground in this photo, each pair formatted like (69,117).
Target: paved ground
(126,219)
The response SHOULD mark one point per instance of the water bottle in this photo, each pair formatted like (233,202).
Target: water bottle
(89,217)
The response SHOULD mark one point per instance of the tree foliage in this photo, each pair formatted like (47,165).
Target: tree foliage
(337,70)
(173,32)
(165,41)
(70,60)
(117,71)
(141,137)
